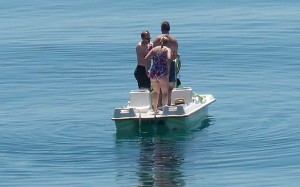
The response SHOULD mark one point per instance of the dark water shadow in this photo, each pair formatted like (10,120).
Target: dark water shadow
(161,153)
(157,129)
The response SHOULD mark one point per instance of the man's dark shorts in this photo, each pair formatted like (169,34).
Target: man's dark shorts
(172,76)
(141,76)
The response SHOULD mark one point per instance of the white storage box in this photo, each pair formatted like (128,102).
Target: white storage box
(185,94)
(140,98)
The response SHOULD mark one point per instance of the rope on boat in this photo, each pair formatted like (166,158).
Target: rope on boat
(140,120)
(202,98)
(155,112)
(140,117)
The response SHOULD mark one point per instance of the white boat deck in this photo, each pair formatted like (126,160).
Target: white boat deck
(139,107)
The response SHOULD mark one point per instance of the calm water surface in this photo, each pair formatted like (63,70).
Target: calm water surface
(66,65)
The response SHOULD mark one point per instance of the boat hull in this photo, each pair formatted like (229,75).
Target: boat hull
(168,123)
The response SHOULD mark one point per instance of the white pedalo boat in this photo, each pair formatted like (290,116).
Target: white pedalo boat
(186,109)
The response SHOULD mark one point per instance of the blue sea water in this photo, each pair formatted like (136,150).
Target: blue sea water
(65,65)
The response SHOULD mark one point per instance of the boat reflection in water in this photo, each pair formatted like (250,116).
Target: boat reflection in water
(160,152)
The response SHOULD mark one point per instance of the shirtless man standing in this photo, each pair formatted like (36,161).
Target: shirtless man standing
(173,45)
(141,70)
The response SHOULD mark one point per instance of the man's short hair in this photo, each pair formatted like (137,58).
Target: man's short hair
(144,33)
(165,26)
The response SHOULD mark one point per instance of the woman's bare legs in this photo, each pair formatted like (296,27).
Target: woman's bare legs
(164,86)
(156,90)
(160,85)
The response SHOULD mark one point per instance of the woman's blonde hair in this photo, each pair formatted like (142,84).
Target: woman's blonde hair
(164,41)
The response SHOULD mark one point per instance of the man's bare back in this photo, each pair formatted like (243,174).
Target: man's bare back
(173,44)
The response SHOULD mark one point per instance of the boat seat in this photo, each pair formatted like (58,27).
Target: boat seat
(184,94)
(140,99)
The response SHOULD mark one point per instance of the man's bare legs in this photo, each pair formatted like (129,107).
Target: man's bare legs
(170,88)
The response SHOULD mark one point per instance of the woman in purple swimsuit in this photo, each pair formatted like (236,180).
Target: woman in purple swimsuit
(159,71)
